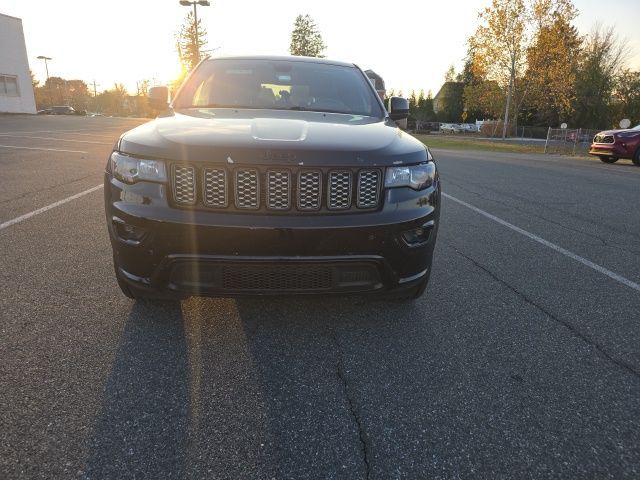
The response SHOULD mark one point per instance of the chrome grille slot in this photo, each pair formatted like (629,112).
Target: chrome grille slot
(309,190)
(215,188)
(184,185)
(339,190)
(368,188)
(278,189)
(247,189)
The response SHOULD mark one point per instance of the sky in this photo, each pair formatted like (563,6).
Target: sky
(410,43)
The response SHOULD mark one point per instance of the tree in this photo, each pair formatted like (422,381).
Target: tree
(113,102)
(450,75)
(552,62)
(305,38)
(189,44)
(421,108)
(603,58)
(627,96)
(500,44)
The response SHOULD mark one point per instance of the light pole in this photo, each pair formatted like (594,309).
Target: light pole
(42,57)
(187,3)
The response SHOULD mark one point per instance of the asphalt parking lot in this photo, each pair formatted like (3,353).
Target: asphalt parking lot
(521,361)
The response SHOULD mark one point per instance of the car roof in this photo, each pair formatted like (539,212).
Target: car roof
(288,58)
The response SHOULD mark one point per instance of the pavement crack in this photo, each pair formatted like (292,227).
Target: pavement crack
(340,370)
(570,327)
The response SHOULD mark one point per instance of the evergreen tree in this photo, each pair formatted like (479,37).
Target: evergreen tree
(189,45)
(305,38)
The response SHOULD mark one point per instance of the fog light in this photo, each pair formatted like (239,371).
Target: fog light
(418,236)
(127,232)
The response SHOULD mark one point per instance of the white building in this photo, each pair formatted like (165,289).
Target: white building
(16,91)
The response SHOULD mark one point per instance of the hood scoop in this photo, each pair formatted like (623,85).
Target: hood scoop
(283,130)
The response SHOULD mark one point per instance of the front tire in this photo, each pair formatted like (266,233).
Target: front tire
(606,159)
(636,157)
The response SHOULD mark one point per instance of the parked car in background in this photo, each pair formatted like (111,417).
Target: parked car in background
(62,110)
(468,128)
(610,145)
(46,111)
(450,128)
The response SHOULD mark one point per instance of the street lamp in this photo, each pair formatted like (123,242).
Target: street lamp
(203,3)
(42,57)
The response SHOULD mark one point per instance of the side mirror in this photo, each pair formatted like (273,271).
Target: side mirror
(158,98)
(398,108)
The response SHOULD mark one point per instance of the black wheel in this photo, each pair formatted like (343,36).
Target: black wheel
(606,159)
(636,157)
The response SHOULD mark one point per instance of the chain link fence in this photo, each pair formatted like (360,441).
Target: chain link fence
(569,141)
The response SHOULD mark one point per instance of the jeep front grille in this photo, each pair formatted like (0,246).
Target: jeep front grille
(276,189)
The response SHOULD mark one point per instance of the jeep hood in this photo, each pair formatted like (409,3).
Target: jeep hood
(273,137)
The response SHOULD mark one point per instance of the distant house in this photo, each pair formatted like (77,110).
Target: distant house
(449,94)
(377,81)
(16,90)
(448,104)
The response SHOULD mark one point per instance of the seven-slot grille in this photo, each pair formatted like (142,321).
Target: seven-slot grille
(278,189)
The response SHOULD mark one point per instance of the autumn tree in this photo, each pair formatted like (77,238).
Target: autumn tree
(552,62)
(627,96)
(483,98)
(602,60)
(306,40)
(190,42)
(500,44)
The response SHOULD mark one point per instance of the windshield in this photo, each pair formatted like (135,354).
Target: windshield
(279,84)
(637,127)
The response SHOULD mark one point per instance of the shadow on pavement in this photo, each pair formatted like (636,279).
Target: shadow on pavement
(142,428)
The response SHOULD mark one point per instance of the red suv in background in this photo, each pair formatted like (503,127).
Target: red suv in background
(611,145)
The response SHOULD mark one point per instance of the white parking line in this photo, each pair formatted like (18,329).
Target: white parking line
(546,243)
(61,139)
(26,216)
(43,149)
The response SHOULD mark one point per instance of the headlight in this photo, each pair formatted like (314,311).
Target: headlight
(417,177)
(131,170)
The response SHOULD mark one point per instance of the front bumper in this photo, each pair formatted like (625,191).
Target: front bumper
(182,252)
(610,150)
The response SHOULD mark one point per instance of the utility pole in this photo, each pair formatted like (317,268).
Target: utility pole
(42,57)
(95,96)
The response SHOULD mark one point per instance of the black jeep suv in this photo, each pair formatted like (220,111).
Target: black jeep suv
(272,175)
